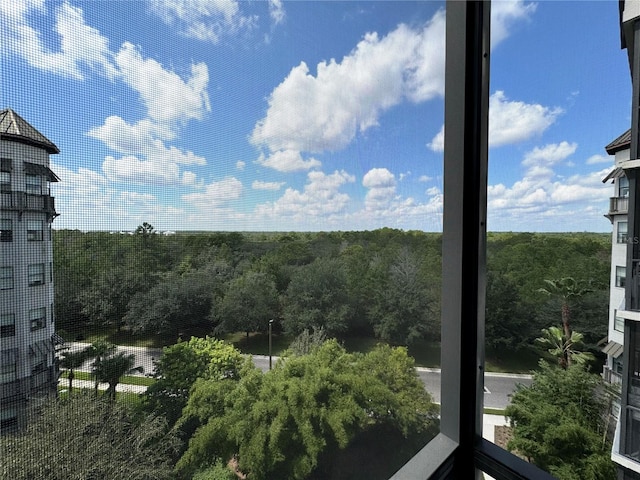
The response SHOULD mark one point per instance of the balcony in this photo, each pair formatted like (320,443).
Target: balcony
(611,376)
(618,205)
(22,201)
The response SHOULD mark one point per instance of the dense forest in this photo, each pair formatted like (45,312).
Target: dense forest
(383,284)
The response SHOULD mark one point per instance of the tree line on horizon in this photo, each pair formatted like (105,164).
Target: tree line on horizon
(383,284)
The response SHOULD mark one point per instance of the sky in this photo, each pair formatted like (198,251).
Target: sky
(309,116)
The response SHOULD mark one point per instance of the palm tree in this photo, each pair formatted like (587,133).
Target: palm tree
(566,289)
(71,361)
(112,368)
(98,350)
(561,348)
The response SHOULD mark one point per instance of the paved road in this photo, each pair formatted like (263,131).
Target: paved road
(498,386)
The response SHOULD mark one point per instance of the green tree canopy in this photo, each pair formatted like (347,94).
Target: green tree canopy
(250,301)
(317,297)
(181,365)
(560,421)
(279,423)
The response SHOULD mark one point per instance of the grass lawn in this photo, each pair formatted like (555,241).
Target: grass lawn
(258,343)
(128,379)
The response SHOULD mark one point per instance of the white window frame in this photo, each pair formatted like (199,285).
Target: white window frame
(35,234)
(621,236)
(6,230)
(33,184)
(5,182)
(7,320)
(36,274)
(6,278)
(38,318)
(621,276)
(8,372)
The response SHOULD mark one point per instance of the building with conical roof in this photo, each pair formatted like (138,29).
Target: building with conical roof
(28,371)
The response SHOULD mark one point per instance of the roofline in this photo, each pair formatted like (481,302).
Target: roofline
(49,147)
(620,143)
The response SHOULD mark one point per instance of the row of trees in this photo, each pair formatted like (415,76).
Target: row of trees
(384,283)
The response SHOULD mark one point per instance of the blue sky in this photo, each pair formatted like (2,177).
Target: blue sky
(272,115)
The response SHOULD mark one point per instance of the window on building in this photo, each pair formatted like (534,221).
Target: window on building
(33,184)
(8,418)
(623,186)
(618,323)
(5,182)
(6,230)
(38,318)
(621,276)
(8,371)
(7,325)
(36,274)
(35,230)
(622,232)
(6,278)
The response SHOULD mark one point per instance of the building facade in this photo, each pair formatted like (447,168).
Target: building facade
(28,370)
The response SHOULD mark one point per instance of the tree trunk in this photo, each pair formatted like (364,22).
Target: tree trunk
(71,376)
(566,318)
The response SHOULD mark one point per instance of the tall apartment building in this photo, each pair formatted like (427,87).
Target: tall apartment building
(28,371)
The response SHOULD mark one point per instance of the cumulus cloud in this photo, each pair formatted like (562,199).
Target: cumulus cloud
(510,121)
(542,193)
(260,185)
(167,97)
(216,194)
(240,165)
(132,169)
(82,48)
(382,188)
(594,159)
(288,161)
(321,197)
(505,14)
(324,112)
(204,20)
(549,154)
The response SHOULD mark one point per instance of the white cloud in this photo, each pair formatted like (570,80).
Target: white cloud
(240,165)
(288,161)
(425,178)
(510,122)
(320,198)
(276,11)
(324,112)
(549,154)
(594,159)
(206,20)
(541,194)
(216,194)
(382,188)
(81,46)
(504,14)
(433,191)
(169,99)
(513,121)
(132,169)
(260,185)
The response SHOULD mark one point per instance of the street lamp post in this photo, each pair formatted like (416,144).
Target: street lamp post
(270,324)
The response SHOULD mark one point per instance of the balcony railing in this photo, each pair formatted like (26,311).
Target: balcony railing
(618,204)
(611,376)
(23,201)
